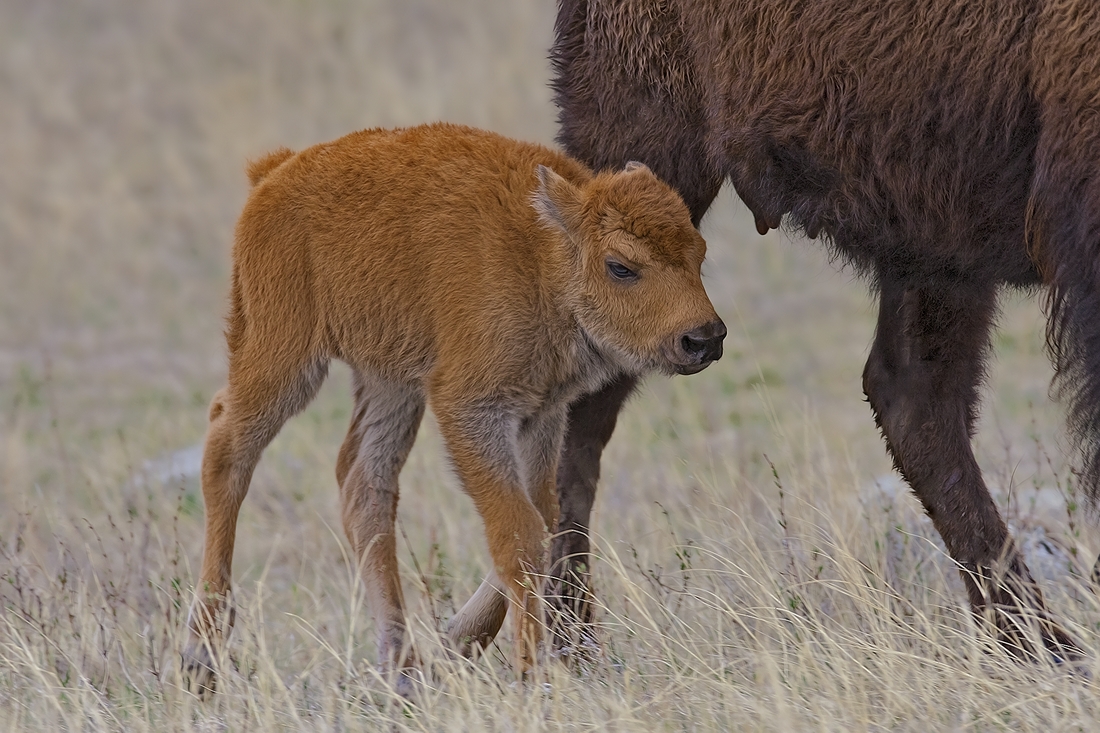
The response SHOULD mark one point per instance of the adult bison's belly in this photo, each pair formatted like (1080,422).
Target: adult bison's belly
(904,130)
(913,208)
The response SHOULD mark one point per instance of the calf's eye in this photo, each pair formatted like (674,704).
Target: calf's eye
(619,271)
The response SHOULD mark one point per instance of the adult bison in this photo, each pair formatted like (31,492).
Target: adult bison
(946,148)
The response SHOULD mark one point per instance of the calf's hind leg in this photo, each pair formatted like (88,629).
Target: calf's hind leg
(383,429)
(922,379)
(263,392)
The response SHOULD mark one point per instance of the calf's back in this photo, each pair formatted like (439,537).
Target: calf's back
(394,249)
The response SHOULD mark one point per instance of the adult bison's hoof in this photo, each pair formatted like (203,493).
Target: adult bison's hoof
(569,601)
(1063,648)
(1016,629)
(197,667)
(1064,652)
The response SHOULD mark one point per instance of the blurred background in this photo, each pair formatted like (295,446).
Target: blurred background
(726,497)
(124,131)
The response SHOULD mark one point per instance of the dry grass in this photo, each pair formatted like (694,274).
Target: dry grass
(814,598)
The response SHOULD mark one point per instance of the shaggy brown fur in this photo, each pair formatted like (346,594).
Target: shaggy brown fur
(498,280)
(944,148)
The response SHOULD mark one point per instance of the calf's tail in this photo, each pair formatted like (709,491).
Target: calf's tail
(259,168)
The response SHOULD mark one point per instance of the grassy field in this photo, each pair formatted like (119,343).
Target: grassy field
(760,567)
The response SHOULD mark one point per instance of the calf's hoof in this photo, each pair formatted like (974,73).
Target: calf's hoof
(197,668)
(407,683)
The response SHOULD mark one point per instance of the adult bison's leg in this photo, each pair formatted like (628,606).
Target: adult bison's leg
(591,422)
(922,380)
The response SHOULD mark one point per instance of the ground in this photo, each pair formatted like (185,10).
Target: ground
(759,565)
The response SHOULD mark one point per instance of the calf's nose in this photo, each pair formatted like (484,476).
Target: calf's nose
(704,344)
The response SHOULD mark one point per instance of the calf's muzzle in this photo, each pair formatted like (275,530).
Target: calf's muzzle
(697,348)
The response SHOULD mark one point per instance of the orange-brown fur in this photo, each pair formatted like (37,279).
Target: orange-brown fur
(455,266)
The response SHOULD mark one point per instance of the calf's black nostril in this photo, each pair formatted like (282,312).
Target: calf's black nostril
(692,346)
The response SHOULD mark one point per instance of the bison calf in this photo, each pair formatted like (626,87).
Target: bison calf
(496,279)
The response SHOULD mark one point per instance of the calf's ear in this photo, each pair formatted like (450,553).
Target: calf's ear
(557,201)
(633,165)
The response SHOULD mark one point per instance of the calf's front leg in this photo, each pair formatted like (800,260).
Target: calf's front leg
(481,444)
(538,444)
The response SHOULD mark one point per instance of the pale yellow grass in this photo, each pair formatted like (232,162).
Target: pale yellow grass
(731,596)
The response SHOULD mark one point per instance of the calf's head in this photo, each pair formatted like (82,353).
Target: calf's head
(635,257)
